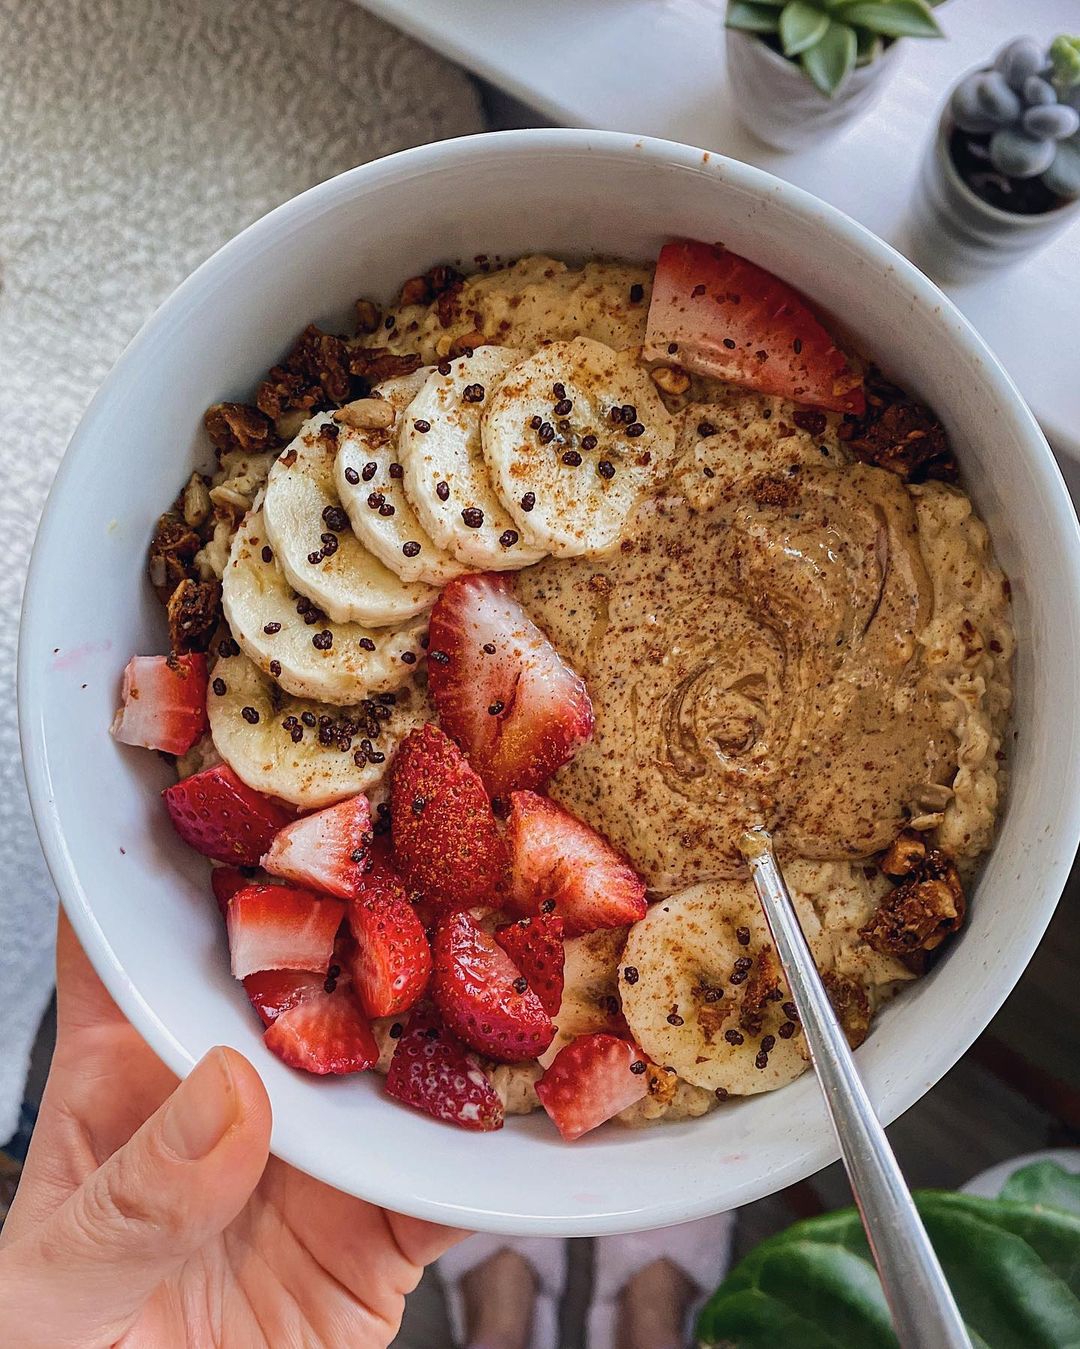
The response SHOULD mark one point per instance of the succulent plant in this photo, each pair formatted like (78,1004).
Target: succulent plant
(829,38)
(1028,104)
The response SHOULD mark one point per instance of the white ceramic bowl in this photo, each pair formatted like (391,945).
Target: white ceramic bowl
(140,901)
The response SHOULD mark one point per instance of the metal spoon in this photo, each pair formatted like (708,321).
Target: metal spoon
(923,1309)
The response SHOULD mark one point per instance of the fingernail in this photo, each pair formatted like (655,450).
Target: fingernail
(202,1108)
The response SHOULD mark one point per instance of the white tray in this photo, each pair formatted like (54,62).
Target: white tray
(657,67)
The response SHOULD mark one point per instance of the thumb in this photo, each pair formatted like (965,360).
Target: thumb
(82,1276)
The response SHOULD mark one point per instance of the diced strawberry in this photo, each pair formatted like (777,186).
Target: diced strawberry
(275,991)
(446,841)
(324,1033)
(223,818)
(535,945)
(324,851)
(556,856)
(277,927)
(590,1080)
(433,1071)
(718,314)
(502,690)
(226,882)
(483,996)
(391,962)
(164,702)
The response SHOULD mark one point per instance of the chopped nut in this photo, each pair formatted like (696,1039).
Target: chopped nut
(662,1083)
(670,379)
(368,316)
(904,854)
(196,501)
(378,363)
(366,414)
(760,990)
(315,373)
(172,554)
(851,1005)
(447,307)
(194,611)
(416,290)
(920,912)
(443,345)
(238,426)
(899,434)
(465,343)
(442,278)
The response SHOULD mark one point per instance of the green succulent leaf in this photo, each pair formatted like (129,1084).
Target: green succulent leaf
(1013,1264)
(891,18)
(832,58)
(752,17)
(1065,60)
(801,25)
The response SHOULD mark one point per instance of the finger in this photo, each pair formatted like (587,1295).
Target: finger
(81,998)
(422,1242)
(81,1278)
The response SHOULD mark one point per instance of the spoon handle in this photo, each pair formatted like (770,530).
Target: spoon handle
(923,1309)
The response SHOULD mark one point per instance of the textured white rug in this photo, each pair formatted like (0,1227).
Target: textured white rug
(135,137)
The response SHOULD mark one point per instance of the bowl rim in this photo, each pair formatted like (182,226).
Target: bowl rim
(291,217)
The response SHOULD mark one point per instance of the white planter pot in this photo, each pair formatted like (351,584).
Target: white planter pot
(778,103)
(957,235)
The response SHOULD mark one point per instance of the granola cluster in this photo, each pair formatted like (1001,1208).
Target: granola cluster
(899,434)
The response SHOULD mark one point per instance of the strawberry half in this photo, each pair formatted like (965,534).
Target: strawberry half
(446,842)
(555,856)
(502,690)
(324,1033)
(432,1071)
(272,992)
(324,851)
(164,702)
(718,314)
(483,996)
(535,945)
(226,882)
(277,927)
(590,1080)
(391,963)
(223,818)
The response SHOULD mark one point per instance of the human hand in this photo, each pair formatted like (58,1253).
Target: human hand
(151,1214)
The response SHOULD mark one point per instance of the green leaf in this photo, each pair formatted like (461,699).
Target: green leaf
(1045,1184)
(801,25)
(1014,1267)
(752,18)
(891,18)
(1065,60)
(832,58)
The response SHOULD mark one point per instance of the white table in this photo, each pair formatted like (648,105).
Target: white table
(657,67)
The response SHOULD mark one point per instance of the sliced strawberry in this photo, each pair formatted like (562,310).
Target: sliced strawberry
(324,851)
(275,991)
(324,1033)
(277,927)
(556,856)
(502,690)
(223,818)
(391,962)
(433,1071)
(164,702)
(226,882)
(535,945)
(590,1080)
(718,314)
(483,996)
(446,842)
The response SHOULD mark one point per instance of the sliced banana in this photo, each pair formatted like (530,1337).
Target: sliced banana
(320,754)
(333,662)
(573,437)
(330,566)
(590,993)
(701,988)
(446,478)
(368,477)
